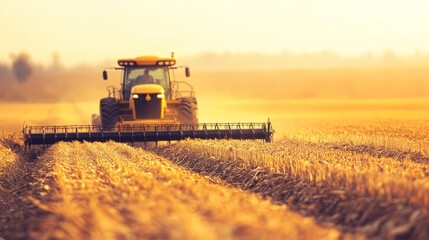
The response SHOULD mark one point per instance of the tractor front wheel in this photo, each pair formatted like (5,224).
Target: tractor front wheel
(109,112)
(188,111)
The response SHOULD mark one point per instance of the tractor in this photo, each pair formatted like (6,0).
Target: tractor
(149,94)
(150,106)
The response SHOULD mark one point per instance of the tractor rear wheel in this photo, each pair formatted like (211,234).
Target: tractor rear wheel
(109,112)
(188,111)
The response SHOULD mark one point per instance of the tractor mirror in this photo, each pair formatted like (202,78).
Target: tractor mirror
(187,72)
(105,75)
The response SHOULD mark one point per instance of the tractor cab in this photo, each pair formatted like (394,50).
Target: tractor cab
(150,70)
(146,70)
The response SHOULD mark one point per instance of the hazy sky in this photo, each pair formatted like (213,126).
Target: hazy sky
(93,31)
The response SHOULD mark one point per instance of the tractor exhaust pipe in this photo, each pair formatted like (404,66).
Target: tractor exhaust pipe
(46,135)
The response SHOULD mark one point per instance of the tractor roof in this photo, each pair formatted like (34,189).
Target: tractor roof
(147,61)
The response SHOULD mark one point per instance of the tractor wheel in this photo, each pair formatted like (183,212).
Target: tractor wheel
(188,111)
(109,112)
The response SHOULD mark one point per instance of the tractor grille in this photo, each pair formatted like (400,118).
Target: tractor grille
(147,109)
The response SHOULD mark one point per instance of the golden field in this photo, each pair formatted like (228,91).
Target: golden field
(343,86)
(111,191)
(337,169)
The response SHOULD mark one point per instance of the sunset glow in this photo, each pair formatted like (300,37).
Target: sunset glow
(88,31)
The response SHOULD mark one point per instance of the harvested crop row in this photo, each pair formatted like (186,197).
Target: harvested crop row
(111,191)
(18,215)
(296,186)
(368,175)
(9,162)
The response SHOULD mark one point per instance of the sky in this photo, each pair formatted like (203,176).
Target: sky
(94,31)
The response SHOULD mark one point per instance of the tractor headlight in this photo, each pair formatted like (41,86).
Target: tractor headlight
(135,96)
(160,95)
(167,63)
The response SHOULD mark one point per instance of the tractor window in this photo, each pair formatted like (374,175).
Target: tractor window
(134,75)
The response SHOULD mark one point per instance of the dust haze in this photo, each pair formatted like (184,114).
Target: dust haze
(234,77)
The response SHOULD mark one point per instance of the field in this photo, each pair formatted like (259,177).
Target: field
(338,169)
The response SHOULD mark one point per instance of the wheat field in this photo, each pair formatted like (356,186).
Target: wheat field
(111,191)
(349,170)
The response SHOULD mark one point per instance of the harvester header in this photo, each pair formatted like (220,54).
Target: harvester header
(45,135)
(149,106)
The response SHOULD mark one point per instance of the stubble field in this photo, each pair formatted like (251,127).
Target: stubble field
(337,170)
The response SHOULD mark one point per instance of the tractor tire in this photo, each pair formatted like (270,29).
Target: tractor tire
(188,111)
(109,112)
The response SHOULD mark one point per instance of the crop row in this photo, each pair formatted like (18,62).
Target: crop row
(19,216)
(373,176)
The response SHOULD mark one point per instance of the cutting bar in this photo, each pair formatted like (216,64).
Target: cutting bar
(46,135)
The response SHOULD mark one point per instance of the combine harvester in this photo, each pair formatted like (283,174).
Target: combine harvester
(150,106)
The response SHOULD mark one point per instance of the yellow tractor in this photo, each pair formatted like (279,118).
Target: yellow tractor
(148,95)
(150,106)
